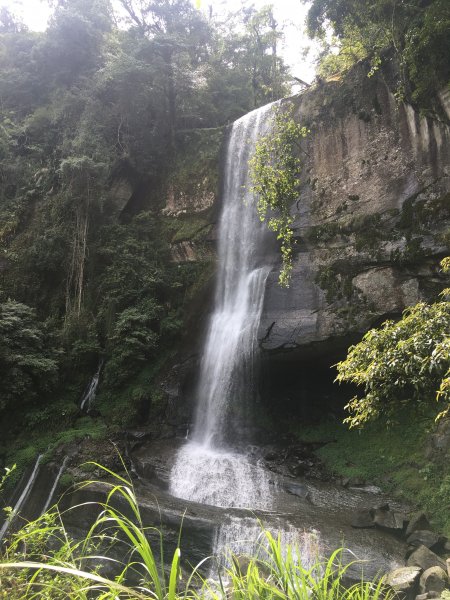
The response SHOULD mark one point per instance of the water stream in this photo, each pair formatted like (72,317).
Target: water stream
(88,397)
(55,484)
(22,498)
(209,469)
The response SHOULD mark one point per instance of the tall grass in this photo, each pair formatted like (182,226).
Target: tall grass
(43,561)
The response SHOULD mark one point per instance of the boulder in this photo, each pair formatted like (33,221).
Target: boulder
(424,558)
(404,581)
(385,518)
(418,521)
(362,519)
(297,489)
(434,579)
(430,539)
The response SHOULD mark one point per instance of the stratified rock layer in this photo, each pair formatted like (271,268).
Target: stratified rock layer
(371,220)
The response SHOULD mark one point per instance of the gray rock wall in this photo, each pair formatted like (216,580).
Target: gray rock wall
(372,219)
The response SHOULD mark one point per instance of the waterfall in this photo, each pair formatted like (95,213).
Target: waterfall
(23,496)
(89,394)
(226,373)
(205,469)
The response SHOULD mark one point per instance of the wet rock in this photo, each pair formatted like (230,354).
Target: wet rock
(356,482)
(386,518)
(137,435)
(153,461)
(404,581)
(363,519)
(297,489)
(417,522)
(271,455)
(422,597)
(431,540)
(424,558)
(434,579)
(299,469)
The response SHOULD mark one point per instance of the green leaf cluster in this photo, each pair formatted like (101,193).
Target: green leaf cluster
(402,364)
(275,170)
(28,362)
(416,33)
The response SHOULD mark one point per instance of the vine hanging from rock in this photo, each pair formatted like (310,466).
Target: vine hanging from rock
(275,174)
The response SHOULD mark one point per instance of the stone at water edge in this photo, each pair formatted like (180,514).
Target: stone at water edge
(424,558)
(434,579)
(385,518)
(430,539)
(404,581)
(418,521)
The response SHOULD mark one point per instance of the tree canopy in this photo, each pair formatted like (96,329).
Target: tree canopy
(95,101)
(415,32)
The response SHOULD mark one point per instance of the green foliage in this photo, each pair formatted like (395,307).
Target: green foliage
(98,122)
(134,340)
(401,363)
(416,32)
(274,170)
(27,362)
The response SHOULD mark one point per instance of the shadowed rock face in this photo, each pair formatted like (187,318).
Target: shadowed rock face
(371,219)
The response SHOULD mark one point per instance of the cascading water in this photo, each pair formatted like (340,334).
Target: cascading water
(244,536)
(55,485)
(22,498)
(206,470)
(89,395)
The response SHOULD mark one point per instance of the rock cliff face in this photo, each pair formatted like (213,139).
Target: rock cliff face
(372,219)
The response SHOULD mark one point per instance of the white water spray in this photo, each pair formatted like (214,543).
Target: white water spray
(244,537)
